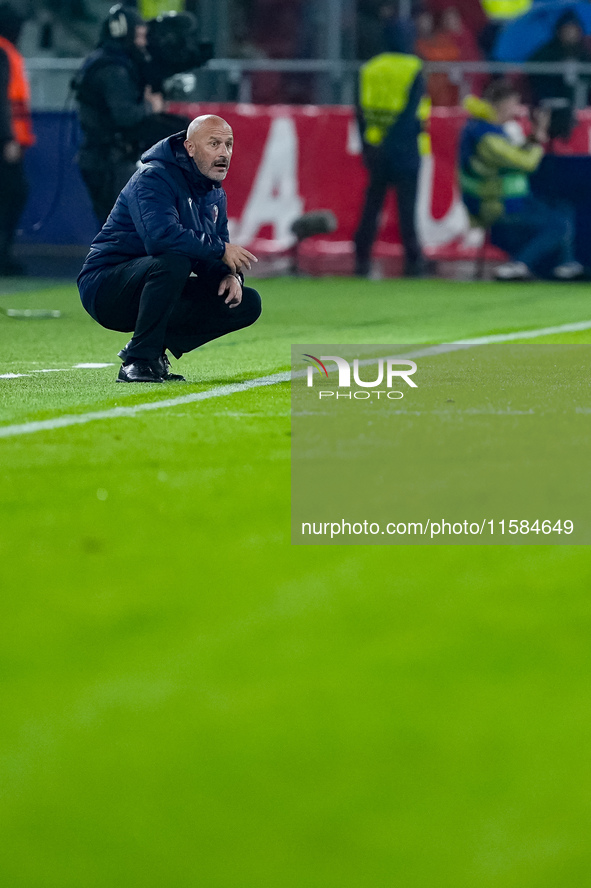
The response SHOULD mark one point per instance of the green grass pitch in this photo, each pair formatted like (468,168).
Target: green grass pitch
(188,700)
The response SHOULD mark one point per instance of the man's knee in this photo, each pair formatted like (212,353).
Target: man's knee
(174,265)
(251,306)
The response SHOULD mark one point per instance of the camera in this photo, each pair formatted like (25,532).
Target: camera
(174,47)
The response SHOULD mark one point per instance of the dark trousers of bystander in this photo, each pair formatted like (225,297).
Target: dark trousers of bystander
(540,235)
(406,185)
(105,174)
(166,308)
(13,197)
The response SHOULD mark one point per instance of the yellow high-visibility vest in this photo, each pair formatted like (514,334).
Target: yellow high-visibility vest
(150,9)
(424,115)
(384,88)
(506,9)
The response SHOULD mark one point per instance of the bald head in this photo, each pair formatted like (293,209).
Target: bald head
(210,142)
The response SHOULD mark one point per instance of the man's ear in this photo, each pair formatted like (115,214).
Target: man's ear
(189,147)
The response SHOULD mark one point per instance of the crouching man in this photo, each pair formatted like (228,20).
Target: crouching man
(494,176)
(162,265)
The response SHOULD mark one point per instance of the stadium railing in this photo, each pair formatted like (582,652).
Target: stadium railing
(335,80)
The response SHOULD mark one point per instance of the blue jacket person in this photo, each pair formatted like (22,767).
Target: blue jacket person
(162,265)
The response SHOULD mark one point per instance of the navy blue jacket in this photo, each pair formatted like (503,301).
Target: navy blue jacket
(167,206)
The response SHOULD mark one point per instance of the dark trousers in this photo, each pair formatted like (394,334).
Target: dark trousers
(104,177)
(166,308)
(405,185)
(13,197)
(539,235)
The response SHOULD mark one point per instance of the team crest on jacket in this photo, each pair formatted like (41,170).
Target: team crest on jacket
(215,212)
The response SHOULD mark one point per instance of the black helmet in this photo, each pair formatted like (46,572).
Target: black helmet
(120,25)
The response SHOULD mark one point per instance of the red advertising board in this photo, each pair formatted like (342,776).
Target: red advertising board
(291,159)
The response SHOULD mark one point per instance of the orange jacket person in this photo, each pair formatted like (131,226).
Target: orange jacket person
(16,134)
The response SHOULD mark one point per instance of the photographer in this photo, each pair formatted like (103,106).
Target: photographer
(494,178)
(551,90)
(114,102)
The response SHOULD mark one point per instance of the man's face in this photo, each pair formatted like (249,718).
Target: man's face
(211,149)
(508,109)
(570,34)
(141,36)
(425,25)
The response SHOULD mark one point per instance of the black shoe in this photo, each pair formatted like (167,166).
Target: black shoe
(140,371)
(422,268)
(165,368)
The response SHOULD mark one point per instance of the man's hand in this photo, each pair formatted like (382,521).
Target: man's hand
(230,285)
(12,152)
(237,258)
(541,120)
(155,100)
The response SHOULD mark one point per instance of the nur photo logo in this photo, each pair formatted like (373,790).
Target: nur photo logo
(349,383)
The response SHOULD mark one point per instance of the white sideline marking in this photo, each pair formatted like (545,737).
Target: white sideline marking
(221,391)
(52,370)
(527,334)
(90,366)
(56,370)
(60,422)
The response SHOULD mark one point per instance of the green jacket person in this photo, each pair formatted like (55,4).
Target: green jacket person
(494,180)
